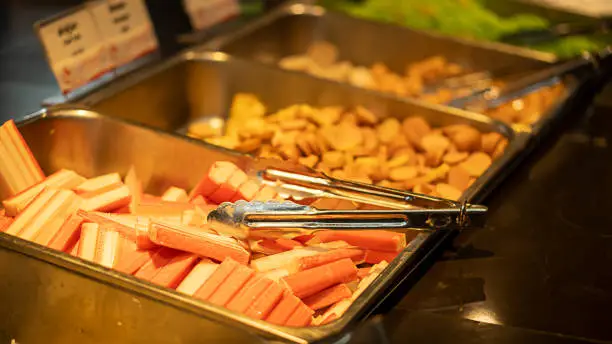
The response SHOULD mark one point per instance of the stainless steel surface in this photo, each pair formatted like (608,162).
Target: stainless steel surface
(251,217)
(50,297)
(290,30)
(193,86)
(65,299)
(317,183)
(547,76)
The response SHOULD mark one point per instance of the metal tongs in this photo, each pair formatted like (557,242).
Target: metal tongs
(494,97)
(242,218)
(298,182)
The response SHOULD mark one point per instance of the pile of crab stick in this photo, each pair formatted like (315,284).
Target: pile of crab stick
(291,280)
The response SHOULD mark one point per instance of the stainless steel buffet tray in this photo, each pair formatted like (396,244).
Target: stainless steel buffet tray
(52,297)
(196,85)
(290,29)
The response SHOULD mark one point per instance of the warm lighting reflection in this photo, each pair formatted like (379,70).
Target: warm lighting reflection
(518,105)
(218,56)
(298,9)
(482,315)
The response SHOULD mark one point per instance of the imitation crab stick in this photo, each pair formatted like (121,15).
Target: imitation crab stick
(5,222)
(332,313)
(328,297)
(31,212)
(368,239)
(88,241)
(229,189)
(302,316)
(211,285)
(68,233)
(98,183)
(65,179)
(23,150)
(23,169)
(275,275)
(50,217)
(158,260)
(108,248)
(6,189)
(197,241)
(217,176)
(135,186)
(338,309)
(12,171)
(114,198)
(52,227)
(134,228)
(199,200)
(196,217)
(125,225)
(262,306)
(74,250)
(363,272)
(305,263)
(283,259)
(266,246)
(247,191)
(281,313)
(375,257)
(175,194)
(375,271)
(288,244)
(303,239)
(197,276)
(332,245)
(232,284)
(173,273)
(132,258)
(247,295)
(162,208)
(309,282)
(12,178)
(266,193)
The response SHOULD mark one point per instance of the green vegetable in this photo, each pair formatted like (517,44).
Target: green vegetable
(464,18)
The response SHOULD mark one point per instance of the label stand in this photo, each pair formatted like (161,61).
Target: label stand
(94,43)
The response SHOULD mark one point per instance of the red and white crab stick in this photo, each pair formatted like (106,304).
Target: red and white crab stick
(285,280)
(19,169)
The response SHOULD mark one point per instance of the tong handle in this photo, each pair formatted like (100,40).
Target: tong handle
(495,97)
(360,192)
(418,219)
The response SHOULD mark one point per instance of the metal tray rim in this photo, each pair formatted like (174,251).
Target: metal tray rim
(300,8)
(360,308)
(516,144)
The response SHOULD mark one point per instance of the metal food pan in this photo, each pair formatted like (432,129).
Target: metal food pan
(194,85)
(290,29)
(52,297)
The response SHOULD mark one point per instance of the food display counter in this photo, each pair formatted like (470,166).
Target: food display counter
(288,86)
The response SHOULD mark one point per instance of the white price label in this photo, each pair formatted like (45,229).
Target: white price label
(206,13)
(126,27)
(75,49)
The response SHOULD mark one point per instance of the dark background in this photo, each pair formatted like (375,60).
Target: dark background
(539,272)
